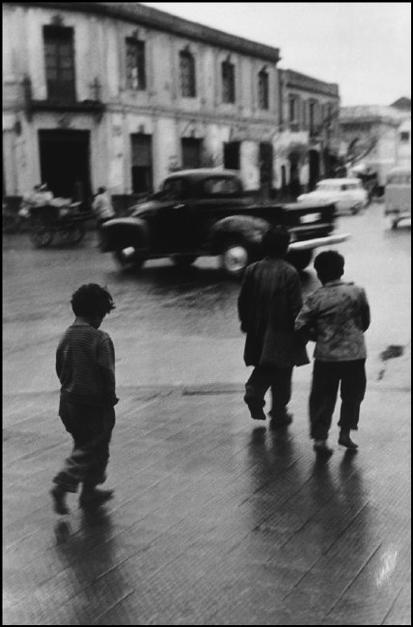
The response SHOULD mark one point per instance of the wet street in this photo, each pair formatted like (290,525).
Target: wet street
(215,521)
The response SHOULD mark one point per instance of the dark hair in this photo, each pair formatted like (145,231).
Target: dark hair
(101,190)
(91,300)
(329,265)
(275,242)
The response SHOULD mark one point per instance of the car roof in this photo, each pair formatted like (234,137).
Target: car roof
(340,181)
(202,173)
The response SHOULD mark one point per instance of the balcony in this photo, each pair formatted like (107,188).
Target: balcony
(64,102)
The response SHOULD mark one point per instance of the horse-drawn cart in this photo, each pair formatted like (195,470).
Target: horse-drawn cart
(60,219)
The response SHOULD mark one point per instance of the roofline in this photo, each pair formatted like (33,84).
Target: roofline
(160,20)
(368,119)
(201,172)
(304,82)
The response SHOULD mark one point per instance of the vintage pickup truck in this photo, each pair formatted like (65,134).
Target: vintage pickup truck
(205,212)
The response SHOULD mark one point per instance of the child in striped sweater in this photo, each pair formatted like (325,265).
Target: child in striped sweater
(85,365)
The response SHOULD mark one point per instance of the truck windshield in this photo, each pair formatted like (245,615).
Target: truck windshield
(173,188)
(222,186)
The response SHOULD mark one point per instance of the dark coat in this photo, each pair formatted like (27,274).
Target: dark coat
(268,303)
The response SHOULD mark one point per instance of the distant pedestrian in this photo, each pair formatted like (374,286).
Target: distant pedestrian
(102,206)
(335,316)
(268,303)
(85,365)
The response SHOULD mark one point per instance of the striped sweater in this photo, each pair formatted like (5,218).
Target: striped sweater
(85,365)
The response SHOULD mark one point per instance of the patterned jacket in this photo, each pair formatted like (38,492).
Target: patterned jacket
(335,317)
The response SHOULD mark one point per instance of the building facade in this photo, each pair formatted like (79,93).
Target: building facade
(307,142)
(376,136)
(119,94)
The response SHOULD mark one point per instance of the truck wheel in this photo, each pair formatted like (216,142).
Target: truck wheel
(234,259)
(129,258)
(300,258)
(183,261)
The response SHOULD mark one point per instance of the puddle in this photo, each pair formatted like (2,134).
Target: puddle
(394,350)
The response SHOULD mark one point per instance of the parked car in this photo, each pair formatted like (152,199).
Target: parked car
(397,196)
(348,194)
(205,212)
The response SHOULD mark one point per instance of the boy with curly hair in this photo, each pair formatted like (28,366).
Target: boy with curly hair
(85,366)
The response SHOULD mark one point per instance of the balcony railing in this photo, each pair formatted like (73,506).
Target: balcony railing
(63,102)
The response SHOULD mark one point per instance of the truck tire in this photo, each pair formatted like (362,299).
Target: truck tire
(129,258)
(300,258)
(234,258)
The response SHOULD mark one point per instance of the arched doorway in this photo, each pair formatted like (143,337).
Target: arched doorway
(314,168)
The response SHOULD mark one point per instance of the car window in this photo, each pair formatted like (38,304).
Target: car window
(224,186)
(174,188)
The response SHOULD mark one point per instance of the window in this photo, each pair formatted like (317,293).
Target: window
(313,115)
(228,82)
(187,72)
(263,100)
(174,188)
(135,64)
(191,152)
(232,155)
(294,113)
(292,108)
(141,147)
(59,60)
(224,186)
(404,136)
(304,113)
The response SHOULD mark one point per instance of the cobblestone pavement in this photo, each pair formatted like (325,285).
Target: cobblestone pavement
(215,520)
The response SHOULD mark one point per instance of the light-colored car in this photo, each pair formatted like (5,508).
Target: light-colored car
(348,194)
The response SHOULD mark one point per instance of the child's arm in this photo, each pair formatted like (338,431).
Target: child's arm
(106,362)
(305,321)
(364,310)
(244,302)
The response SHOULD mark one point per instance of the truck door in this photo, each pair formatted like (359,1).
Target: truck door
(171,225)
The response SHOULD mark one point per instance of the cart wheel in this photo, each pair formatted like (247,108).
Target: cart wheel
(41,237)
(72,235)
(78,234)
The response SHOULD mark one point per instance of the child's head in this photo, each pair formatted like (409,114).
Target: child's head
(92,302)
(329,266)
(275,242)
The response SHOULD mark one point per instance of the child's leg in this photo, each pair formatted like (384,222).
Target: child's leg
(96,471)
(255,390)
(323,398)
(84,424)
(281,395)
(353,388)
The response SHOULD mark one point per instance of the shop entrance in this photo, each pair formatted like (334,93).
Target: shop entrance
(65,163)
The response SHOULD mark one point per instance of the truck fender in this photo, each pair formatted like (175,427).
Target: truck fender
(121,233)
(238,228)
